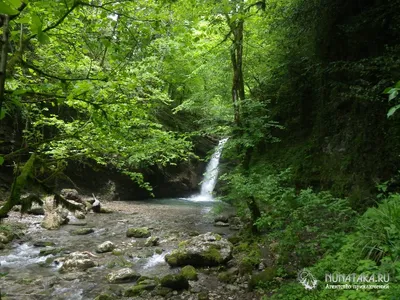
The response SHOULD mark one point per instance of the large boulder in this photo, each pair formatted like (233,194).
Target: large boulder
(54,216)
(208,249)
(77,261)
(123,275)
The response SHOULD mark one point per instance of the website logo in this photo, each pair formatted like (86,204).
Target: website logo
(307,279)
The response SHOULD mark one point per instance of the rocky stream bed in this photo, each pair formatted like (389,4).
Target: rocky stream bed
(122,255)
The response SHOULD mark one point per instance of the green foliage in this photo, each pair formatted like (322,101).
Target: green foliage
(379,229)
(393,93)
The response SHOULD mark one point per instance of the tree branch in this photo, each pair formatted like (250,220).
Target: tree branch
(60,78)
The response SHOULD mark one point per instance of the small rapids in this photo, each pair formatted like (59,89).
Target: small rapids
(22,256)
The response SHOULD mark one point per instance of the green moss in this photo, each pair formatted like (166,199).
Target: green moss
(104,297)
(175,282)
(261,278)
(47,251)
(217,237)
(213,255)
(140,232)
(182,244)
(189,272)
(144,285)
(226,277)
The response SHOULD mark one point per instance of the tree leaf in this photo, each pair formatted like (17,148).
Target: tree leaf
(6,9)
(1,160)
(393,94)
(14,3)
(392,110)
(2,113)
(43,38)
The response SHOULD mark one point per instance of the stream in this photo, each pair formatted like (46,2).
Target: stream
(26,273)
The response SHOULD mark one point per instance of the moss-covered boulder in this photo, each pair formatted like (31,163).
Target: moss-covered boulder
(140,232)
(208,249)
(175,282)
(189,272)
(123,275)
(144,285)
(152,241)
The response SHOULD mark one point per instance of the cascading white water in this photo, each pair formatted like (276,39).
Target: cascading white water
(211,175)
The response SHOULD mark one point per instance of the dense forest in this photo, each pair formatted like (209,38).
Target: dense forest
(138,93)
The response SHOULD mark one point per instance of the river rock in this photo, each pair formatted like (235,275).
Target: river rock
(77,261)
(36,211)
(50,250)
(221,224)
(6,237)
(189,272)
(152,241)
(144,285)
(208,249)
(105,247)
(43,244)
(175,282)
(140,232)
(54,216)
(71,194)
(122,276)
(82,231)
(221,218)
(80,214)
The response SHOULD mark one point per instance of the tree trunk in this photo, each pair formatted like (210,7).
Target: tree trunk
(3,60)
(238,94)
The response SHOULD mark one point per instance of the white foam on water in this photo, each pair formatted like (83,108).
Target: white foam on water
(156,259)
(23,255)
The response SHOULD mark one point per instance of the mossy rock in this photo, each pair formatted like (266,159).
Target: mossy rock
(48,251)
(104,297)
(189,272)
(262,277)
(117,252)
(2,246)
(44,244)
(144,285)
(140,232)
(122,276)
(82,231)
(207,249)
(175,282)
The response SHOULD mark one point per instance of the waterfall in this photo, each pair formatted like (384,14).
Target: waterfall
(211,175)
